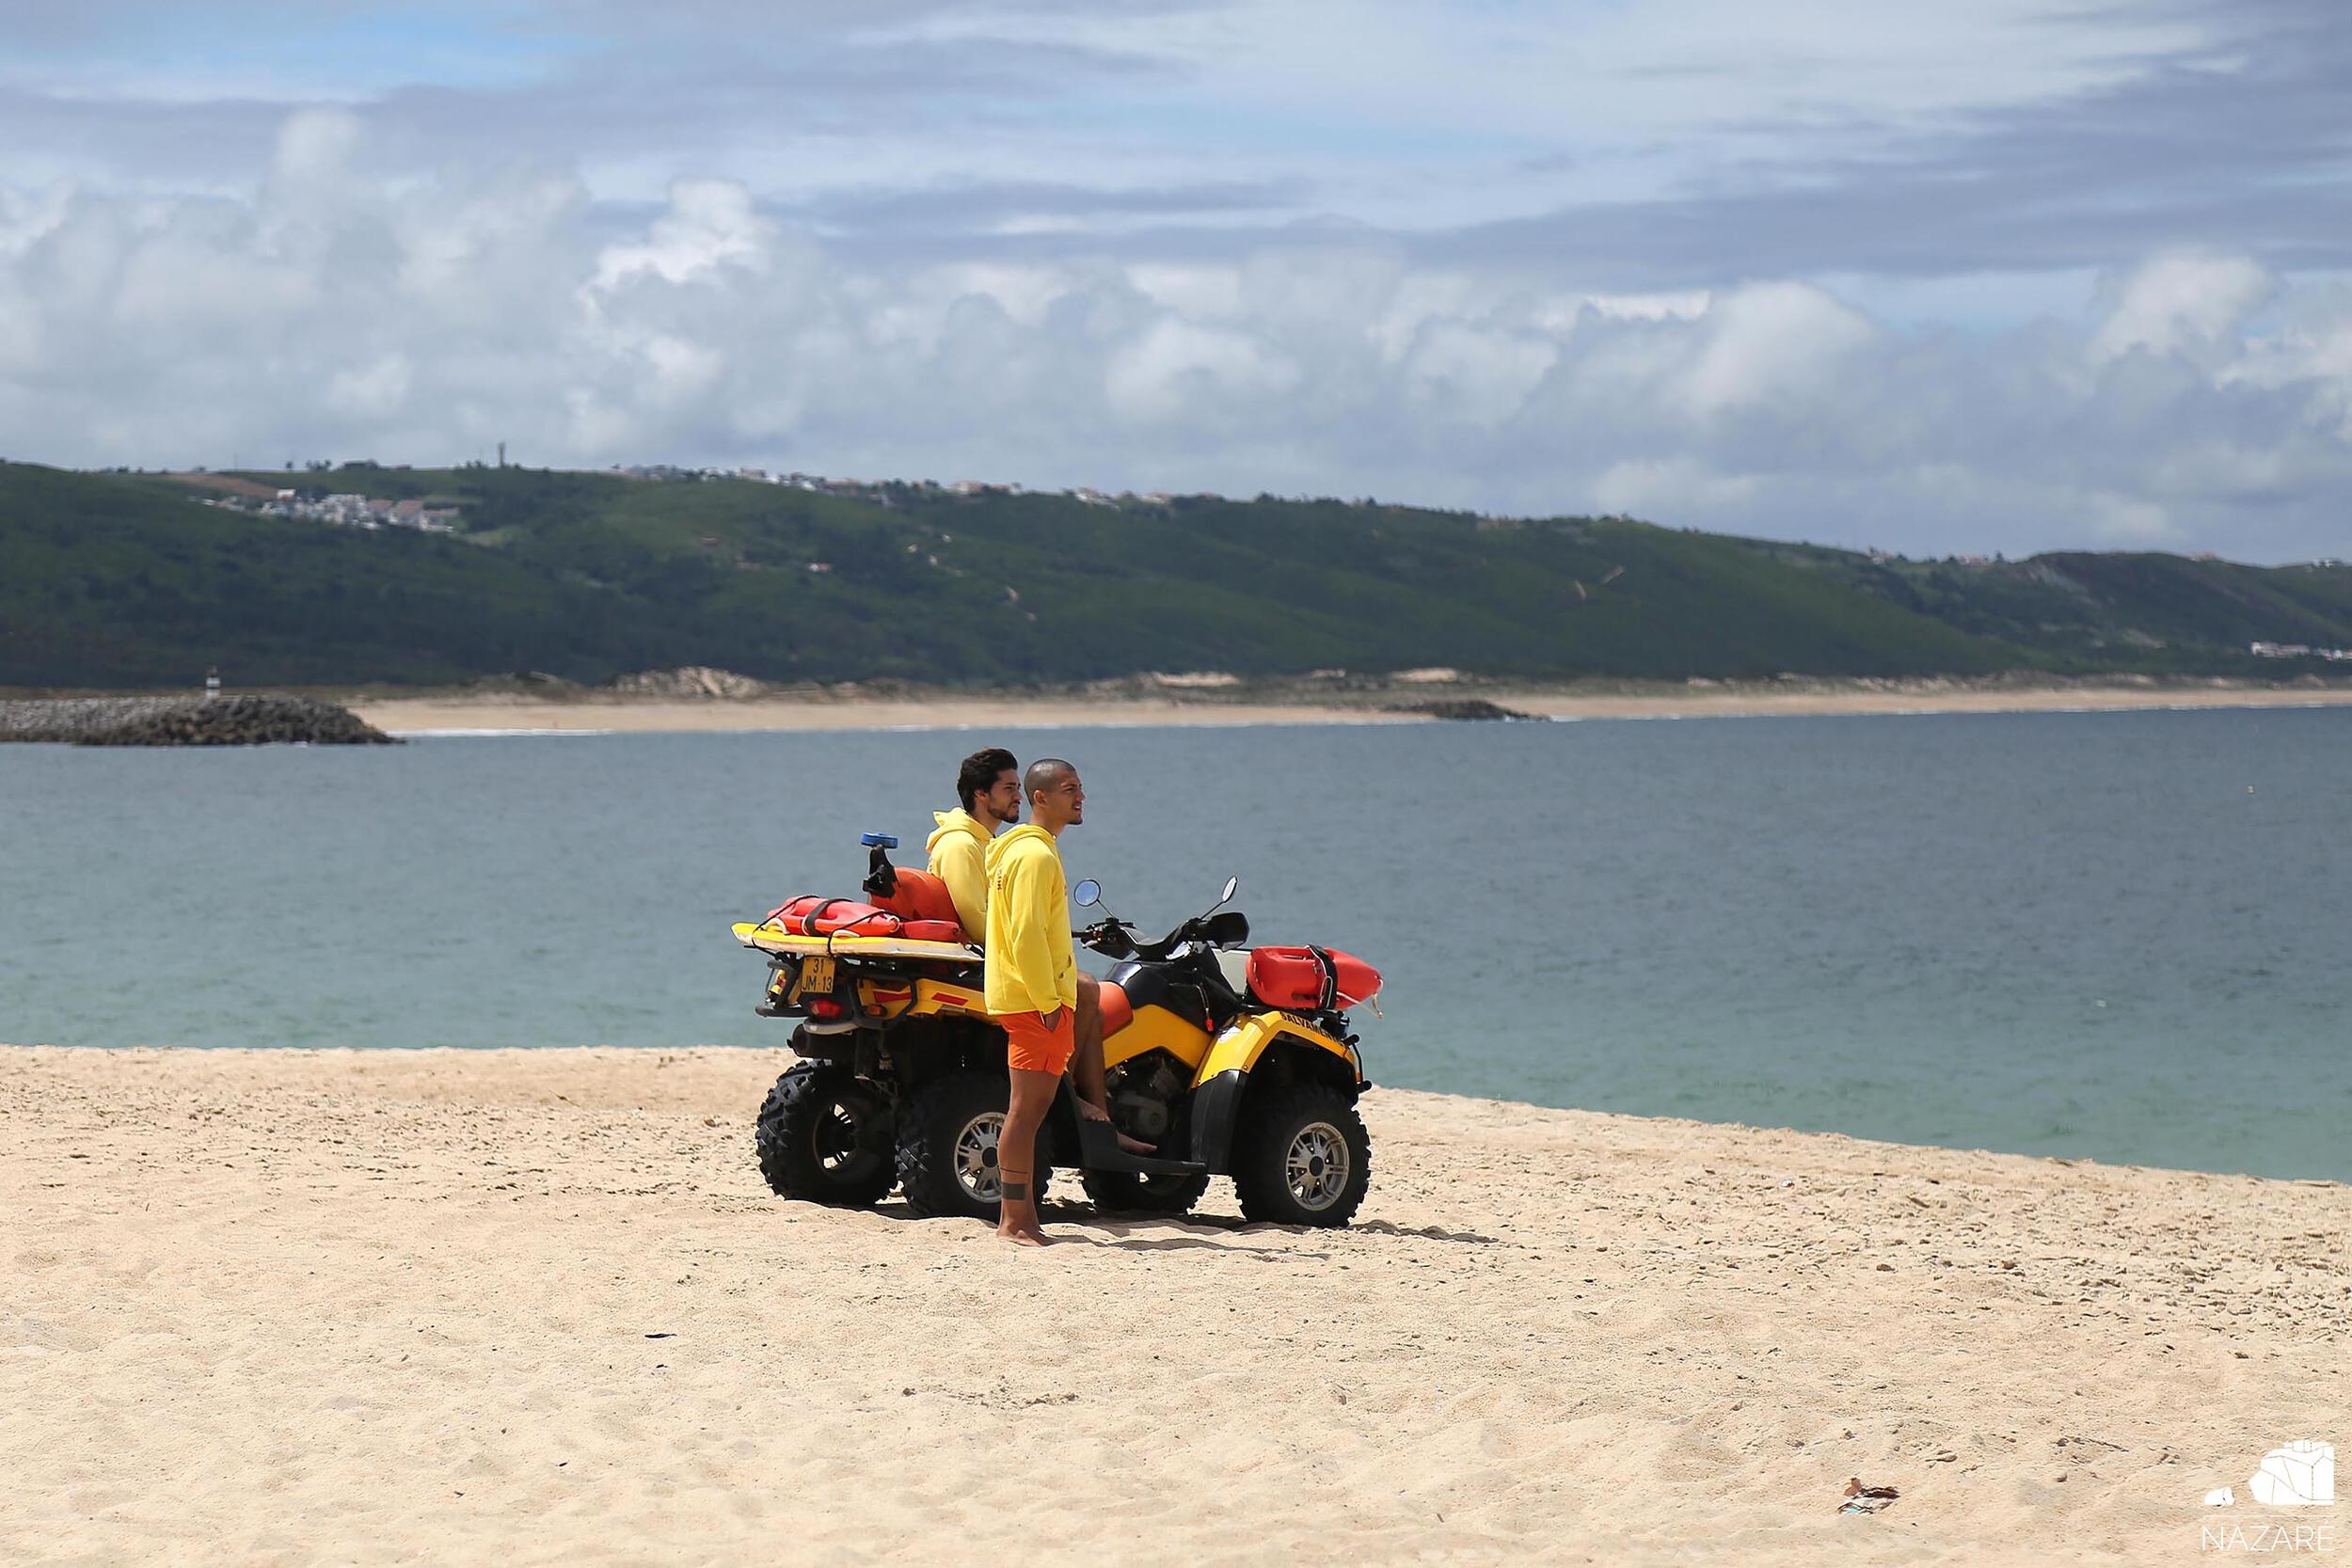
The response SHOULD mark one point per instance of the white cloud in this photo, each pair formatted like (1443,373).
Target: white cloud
(1209,292)
(1670,487)
(1682,305)
(1179,370)
(375,390)
(2134,521)
(2310,357)
(2183,302)
(314,152)
(1476,375)
(333,314)
(710,224)
(1768,342)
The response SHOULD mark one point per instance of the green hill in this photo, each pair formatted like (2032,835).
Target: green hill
(127,579)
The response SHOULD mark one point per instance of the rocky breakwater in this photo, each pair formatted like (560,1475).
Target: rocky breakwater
(243,721)
(1472,709)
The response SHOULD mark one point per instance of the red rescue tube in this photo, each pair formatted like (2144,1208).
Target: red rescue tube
(919,895)
(1311,979)
(814,915)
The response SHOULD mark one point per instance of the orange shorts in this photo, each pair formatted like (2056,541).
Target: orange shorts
(1032,1047)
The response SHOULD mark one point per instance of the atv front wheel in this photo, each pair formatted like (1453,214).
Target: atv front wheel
(1303,1158)
(947,1146)
(825,1138)
(1119,1192)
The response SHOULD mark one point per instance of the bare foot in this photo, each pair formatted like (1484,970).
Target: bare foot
(1018,1223)
(1137,1146)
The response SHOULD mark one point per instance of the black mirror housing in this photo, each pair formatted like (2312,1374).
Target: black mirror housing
(1226,928)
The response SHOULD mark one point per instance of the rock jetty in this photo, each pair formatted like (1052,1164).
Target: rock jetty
(1472,709)
(241,720)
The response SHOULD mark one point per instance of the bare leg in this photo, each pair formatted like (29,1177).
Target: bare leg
(1086,1063)
(1016,1156)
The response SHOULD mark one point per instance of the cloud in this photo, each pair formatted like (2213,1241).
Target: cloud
(710,224)
(1181,371)
(1769,343)
(2177,303)
(329,311)
(1677,146)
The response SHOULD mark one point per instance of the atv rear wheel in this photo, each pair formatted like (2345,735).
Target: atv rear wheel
(947,1146)
(1119,1192)
(1302,1158)
(825,1138)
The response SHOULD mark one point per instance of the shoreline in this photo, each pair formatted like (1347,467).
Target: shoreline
(1534,1107)
(511,713)
(313,1304)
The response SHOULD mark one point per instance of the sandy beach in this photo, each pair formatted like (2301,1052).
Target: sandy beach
(537,1306)
(464,712)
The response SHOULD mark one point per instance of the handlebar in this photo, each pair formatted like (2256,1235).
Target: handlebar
(1115,938)
(1111,937)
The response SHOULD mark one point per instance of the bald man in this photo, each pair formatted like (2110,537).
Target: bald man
(1032,980)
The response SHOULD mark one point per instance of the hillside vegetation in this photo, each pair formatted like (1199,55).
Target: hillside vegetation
(125,579)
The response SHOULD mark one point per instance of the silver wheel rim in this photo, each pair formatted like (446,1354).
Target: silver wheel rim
(836,1140)
(975,1157)
(1316,1167)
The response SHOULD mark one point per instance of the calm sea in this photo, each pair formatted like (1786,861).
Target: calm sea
(2121,936)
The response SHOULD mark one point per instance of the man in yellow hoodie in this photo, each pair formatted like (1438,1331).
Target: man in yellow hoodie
(1032,979)
(988,791)
(989,784)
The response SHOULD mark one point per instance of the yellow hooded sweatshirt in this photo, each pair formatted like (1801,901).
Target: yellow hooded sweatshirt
(1031,968)
(958,847)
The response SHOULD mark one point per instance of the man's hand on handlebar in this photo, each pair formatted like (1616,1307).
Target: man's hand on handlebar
(1108,937)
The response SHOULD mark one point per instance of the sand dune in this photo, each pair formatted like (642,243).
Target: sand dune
(536,1306)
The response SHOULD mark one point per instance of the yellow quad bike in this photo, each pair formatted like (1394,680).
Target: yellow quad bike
(1232,1062)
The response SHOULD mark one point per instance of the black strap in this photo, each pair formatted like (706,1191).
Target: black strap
(1330,978)
(809,921)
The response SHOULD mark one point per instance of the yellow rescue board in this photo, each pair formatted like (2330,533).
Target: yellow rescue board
(769,938)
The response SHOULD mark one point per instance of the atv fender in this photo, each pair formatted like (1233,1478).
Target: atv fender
(1224,1076)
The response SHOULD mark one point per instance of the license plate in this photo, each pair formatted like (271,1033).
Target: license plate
(816,977)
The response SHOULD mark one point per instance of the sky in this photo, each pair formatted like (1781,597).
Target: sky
(1933,278)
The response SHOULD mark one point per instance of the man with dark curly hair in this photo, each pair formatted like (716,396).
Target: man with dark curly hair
(988,798)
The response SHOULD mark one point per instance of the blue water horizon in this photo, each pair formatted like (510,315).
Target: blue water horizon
(2113,936)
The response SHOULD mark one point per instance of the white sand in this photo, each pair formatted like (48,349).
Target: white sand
(513,713)
(375,1307)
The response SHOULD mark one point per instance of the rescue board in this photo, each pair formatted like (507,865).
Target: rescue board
(771,939)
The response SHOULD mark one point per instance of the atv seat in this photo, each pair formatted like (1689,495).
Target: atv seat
(1117,1013)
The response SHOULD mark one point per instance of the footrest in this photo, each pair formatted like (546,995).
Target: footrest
(1098,1149)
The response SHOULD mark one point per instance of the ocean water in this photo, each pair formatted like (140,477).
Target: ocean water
(2119,936)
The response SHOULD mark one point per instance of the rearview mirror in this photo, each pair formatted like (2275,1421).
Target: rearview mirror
(1090,893)
(1232,885)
